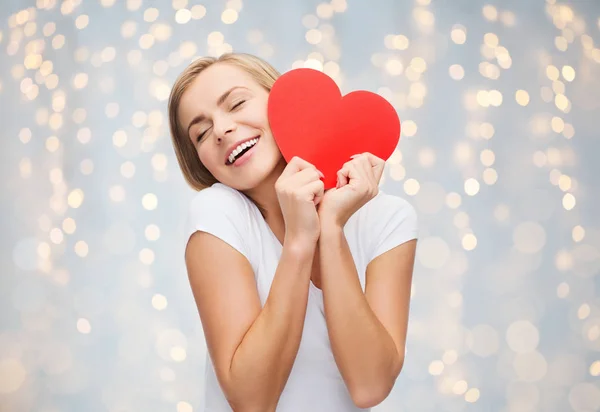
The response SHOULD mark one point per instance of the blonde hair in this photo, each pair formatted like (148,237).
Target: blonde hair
(194,172)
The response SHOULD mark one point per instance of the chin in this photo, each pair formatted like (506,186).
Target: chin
(256,174)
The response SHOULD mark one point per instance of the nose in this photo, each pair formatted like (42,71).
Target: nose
(223,128)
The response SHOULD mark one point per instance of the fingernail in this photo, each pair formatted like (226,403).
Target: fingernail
(321,173)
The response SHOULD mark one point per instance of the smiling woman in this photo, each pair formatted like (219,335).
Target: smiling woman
(303,294)
(233,82)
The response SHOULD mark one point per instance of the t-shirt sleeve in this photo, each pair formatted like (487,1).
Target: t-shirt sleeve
(391,221)
(221,212)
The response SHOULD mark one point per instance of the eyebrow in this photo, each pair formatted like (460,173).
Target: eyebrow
(221,100)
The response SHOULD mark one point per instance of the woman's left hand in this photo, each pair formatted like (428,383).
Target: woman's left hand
(358,182)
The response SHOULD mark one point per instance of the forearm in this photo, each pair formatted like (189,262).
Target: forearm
(262,362)
(363,349)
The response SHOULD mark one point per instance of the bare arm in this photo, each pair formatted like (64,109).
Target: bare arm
(367,330)
(252,348)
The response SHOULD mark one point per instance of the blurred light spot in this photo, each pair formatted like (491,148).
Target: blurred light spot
(409,128)
(152,232)
(491,40)
(530,366)
(456,72)
(81,248)
(529,237)
(167,374)
(314,36)
(487,157)
(229,16)
(75,198)
(436,368)
(150,15)
(469,241)
(84,135)
(453,200)
(460,387)
(324,10)
(411,187)
(595,368)
(578,233)
(461,220)
(450,357)
(69,226)
(584,311)
(184,407)
(483,341)
(56,236)
(472,395)
(522,97)
(128,29)
(501,213)
(584,396)
(146,256)
(552,72)
(182,16)
(427,157)
(471,187)
(562,291)
(522,336)
(80,80)
(133,5)
(86,166)
(198,11)
(490,12)
(568,201)
(178,354)
(394,67)
(82,21)
(159,302)
(117,193)
(433,252)
(458,34)
(12,375)
(564,260)
(490,176)
(313,64)
(83,326)
(119,138)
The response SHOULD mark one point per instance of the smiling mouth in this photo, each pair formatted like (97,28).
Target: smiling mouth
(241,150)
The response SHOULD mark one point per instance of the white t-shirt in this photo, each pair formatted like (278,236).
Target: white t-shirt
(315,383)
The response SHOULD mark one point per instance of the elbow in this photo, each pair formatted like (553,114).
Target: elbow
(370,394)
(253,405)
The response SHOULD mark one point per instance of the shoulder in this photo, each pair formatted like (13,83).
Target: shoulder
(386,221)
(385,205)
(218,197)
(219,208)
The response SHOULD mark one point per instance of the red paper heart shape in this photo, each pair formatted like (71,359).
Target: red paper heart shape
(310,119)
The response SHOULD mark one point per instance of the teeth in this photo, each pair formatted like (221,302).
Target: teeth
(241,147)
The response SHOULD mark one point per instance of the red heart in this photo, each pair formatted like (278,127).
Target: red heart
(310,119)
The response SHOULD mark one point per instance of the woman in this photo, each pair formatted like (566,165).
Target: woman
(303,295)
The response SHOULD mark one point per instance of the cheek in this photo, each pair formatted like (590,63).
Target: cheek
(207,158)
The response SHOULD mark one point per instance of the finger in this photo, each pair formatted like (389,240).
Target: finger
(313,191)
(320,192)
(303,177)
(343,176)
(376,163)
(295,165)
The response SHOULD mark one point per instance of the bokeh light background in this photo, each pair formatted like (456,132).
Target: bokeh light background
(500,103)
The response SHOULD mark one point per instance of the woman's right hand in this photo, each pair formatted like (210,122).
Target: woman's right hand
(299,191)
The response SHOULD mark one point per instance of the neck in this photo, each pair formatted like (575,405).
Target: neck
(265,197)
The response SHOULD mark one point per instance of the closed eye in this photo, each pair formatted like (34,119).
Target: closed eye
(238,104)
(201,135)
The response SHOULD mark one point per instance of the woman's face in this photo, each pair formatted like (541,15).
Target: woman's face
(224,112)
